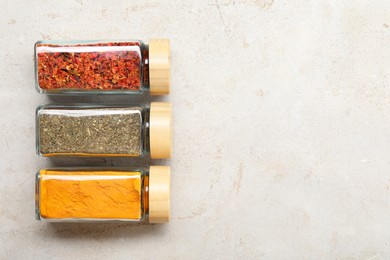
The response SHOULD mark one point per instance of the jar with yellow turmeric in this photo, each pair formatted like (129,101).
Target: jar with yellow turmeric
(104,130)
(77,194)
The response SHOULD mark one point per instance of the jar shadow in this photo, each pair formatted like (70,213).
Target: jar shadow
(135,100)
(99,99)
(97,162)
(54,162)
(106,230)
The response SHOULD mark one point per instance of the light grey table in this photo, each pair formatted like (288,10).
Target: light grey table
(282,130)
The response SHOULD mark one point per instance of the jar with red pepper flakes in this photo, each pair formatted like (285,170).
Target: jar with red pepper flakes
(102,67)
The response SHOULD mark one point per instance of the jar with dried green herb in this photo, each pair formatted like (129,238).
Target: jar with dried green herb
(104,130)
(103,67)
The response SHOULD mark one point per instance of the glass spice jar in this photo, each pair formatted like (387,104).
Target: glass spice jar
(104,130)
(103,67)
(80,194)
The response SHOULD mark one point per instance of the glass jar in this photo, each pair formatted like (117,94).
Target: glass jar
(104,130)
(79,194)
(103,67)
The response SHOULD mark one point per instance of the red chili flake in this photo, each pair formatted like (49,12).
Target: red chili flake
(88,67)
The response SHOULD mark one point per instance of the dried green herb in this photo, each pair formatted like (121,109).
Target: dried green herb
(97,131)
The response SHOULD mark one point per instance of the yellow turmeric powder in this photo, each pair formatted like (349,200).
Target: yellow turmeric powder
(90,194)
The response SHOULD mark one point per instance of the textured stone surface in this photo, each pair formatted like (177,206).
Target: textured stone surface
(282,128)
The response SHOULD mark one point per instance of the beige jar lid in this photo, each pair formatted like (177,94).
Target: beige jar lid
(159,189)
(160,130)
(159,67)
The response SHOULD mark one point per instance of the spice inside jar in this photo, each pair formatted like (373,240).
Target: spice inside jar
(104,131)
(89,194)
